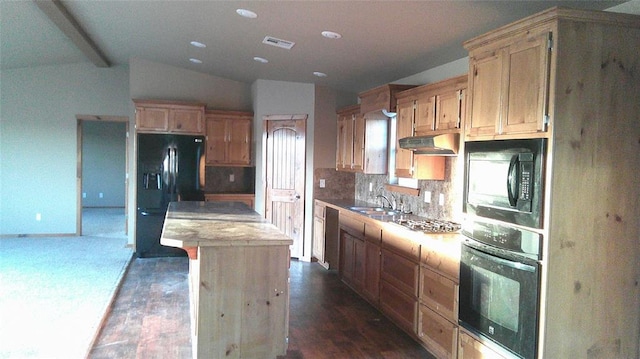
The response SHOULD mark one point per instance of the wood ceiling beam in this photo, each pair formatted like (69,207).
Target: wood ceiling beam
(58,13)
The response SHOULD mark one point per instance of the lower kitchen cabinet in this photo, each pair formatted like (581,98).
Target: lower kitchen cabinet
(438,334)
(439,293)
(470,348)
(400,271)
(246,198)
(352,260)
(399,306)
(372,261)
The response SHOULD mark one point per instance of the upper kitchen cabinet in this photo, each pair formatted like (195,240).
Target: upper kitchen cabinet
(228,138)
(381,98)
(363,130)
(509,80)
(362,141)
(169,117)
(428,110)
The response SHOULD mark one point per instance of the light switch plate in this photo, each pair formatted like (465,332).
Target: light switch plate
(322,183)
(427,197)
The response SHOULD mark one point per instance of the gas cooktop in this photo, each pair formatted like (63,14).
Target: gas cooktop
(429,225)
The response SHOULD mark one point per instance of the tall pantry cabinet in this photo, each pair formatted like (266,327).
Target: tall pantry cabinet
(574,77)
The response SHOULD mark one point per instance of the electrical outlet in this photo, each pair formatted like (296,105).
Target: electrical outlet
(101,195)
(232,178)
(38,217)
(322,183)
(427,197)
(441,199)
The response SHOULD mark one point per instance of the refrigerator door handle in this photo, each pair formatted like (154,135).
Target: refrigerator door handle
(174,169)
(166,170)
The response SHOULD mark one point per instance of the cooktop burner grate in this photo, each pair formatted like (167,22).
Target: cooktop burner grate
(429,225)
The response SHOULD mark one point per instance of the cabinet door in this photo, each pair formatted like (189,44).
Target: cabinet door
(358,143)
(186,121)
(399,306)
(404,128)
(349,125)
(526,93)
(358,263)
(371,287)
(216,141)
(448,110)
(346,256)
(152,119)
(425,114)
(239,145)
(485,84)
(439,335)
(341,143)
(318,239)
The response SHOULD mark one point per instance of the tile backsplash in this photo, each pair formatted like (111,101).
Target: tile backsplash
(218,179)
(337,184)
(451,188)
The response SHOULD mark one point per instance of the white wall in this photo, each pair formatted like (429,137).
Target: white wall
(443,72)
(38,142)
(103,163)
(150,80)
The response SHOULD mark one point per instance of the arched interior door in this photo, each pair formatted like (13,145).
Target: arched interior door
(285,170)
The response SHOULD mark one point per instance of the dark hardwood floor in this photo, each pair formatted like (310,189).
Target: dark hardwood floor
(150,317)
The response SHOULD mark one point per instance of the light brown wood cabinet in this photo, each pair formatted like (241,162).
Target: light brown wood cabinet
(470,348)
(509,86)
(169,117)
(352,251)
(362,142)
(438,334)
(372,263)
(318,232)
(246,198)
(399,271)
(430,109)
(228,138)
(593,134)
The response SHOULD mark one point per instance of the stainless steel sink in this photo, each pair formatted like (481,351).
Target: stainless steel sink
(375,211)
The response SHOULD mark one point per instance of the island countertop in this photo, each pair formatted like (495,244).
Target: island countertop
(205,224)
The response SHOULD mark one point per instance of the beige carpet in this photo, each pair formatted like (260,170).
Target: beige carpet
(55,291)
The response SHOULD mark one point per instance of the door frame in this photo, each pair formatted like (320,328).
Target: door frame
(79,121)
(298,117)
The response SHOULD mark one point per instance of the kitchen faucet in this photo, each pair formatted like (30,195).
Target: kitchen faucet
(391,204)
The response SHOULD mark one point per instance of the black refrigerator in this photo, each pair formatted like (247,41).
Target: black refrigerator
(170,168)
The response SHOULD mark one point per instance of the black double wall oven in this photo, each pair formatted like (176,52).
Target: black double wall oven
(502,246)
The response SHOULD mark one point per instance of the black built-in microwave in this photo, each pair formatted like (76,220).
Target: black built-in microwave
(504,180)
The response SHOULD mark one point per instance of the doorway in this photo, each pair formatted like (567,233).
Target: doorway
(102,184)
(285,181)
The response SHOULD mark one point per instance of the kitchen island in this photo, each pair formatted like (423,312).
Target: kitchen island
(238,278)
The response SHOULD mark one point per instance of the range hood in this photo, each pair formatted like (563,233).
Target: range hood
(437,145)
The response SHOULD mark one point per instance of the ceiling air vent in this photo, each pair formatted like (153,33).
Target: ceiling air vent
(270,40)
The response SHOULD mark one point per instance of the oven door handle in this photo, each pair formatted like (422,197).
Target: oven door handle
(512,178)
(502,261)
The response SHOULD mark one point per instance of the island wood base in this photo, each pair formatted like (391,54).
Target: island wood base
(239,302)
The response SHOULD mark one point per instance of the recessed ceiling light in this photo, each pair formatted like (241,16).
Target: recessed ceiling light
(195,61)
(197,44)
(319,74)
(260,59)
(331,35)
(247,13)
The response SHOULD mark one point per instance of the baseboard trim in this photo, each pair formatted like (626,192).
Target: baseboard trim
(35,235)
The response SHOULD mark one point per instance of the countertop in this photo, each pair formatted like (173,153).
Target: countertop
(199,224)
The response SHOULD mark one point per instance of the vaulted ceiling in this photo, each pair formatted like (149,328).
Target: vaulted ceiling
(382,41)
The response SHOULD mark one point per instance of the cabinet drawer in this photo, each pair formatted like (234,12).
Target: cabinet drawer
(400,271)
(400,245)
(439,293)
(352,225)
(400,307)
(469,348)
(318,210)
(439,335)
(442,257)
